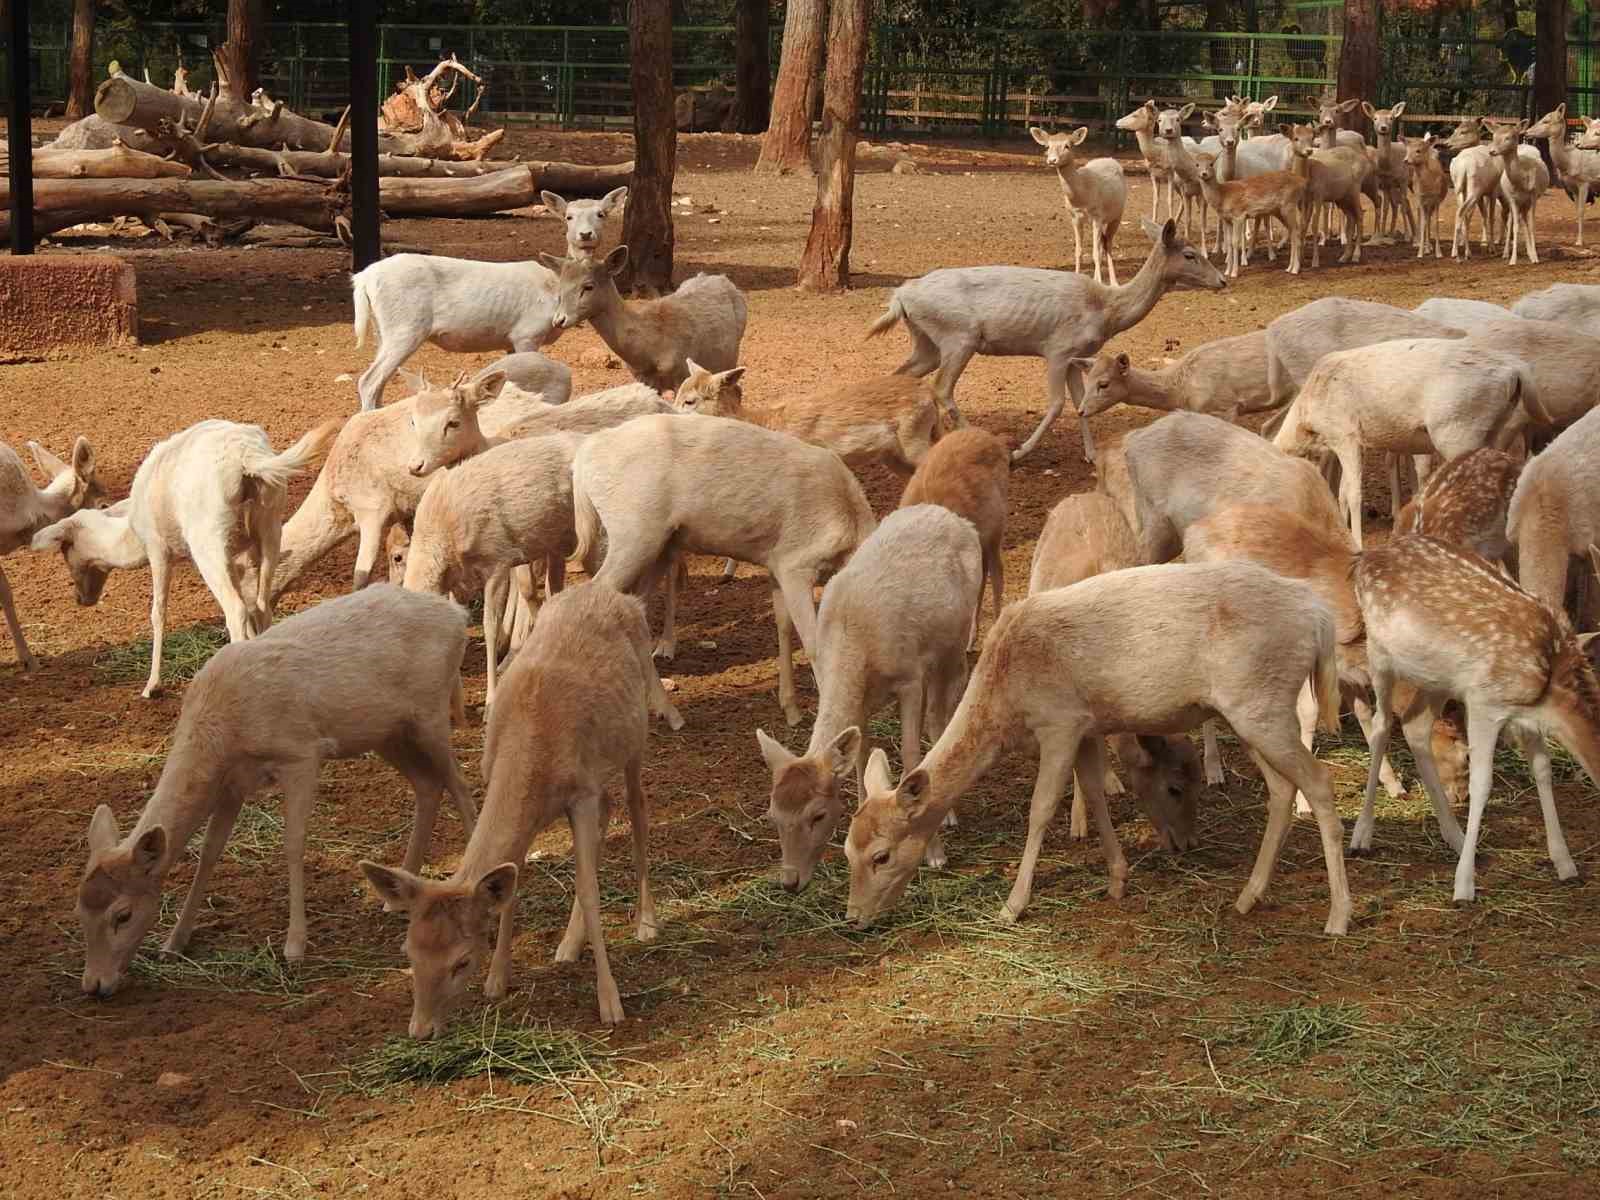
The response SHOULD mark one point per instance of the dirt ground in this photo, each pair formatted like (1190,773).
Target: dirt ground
(1162,1045)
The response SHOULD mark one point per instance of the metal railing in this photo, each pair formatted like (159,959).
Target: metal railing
(992,82)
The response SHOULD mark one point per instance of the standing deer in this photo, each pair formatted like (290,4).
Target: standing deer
(955,313)
(1094,191)
(1447,622)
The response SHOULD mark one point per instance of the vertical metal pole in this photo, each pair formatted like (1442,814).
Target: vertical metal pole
(364,131)
(19,131)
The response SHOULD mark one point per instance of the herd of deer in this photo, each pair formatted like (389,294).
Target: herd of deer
(1300,174)
(1275,618)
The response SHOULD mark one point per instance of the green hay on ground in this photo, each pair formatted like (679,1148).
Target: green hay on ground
(1298,1032)
(521,1053)
(183,653)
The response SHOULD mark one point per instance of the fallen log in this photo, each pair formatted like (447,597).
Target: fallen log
(96,133)
(331,165)
(115,162)
(60,203)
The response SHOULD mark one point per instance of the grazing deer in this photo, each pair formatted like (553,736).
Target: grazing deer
(1072,665)
(892,624)
(1465,502)
(377,671)
(25,509)
(574,710)
(1447,622)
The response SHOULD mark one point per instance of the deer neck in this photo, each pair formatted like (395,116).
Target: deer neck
(187,793)
(1561,151)
(1328,138)
(616,321)
(113,542)
(515,807)
(1576,724)
(970,743)
(1147,147)
(843,699)
(1126,306)
(1068,176)
(315,528)
(1152,389)
(51,502)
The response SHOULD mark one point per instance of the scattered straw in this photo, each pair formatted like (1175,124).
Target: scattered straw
(183,653)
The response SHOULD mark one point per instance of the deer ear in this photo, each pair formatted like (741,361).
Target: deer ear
(773,751)
(48,463)
(842,751)
(1169,233)
(1395,112)
(1270,103)
(554,261)
(730,377)
(497,888)
(877,777)
(53,537)
(613,200)
(912,794)
(554,203)
(1186,111)
(1151,229)
(415,380)
(617,260)
(1347,105)
(83,458)
(103,832)
(1286,128)
(150,849)
(486,387)
(398,888)
(1039,135)
(1123,362)
(1079,137)
(1366,107)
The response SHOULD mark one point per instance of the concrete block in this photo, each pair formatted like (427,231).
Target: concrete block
(52,301)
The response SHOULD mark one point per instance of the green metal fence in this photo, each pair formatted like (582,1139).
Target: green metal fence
(992,82)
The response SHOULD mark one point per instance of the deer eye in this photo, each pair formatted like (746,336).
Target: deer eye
(588,287)
(881,858)
(1189,254)
(449,425)
(121,919)
(461,965)
(816,818)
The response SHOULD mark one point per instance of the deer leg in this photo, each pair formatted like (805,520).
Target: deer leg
(1077,243)
(1378,747)
(494,595)
(1537,753)
(271,533)
(912,698)
(217,570)
(218,827)
(1061,377)
(639,819)
(1058,749)
(498,982)
(786,696)
(952,362)
(299,792)
(1350,487)
(1386,775)
(1417,724)
(390,358)
(1213,758)
(924,356)
(1583,203)
(1482,735)
(24,655)
(586,838)
(369,526)
(160,585)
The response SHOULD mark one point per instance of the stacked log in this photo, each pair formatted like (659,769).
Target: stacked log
(150,153)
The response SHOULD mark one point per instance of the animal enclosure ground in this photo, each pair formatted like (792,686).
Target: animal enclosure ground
(1158,1046)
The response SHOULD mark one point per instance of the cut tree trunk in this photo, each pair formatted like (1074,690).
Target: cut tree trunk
(825,263)
(59,203)
(80,85)
(242,51)
(788,141)
(752,22)
(93,133)
(117,162)
(1359,64)
(647,220)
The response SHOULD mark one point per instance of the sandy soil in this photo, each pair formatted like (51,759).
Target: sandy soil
(1162,1045)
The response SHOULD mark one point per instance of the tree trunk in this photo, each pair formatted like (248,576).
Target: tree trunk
(118,162)
(80,88)
(647,221)
(1550,61)
(788,140)
(1359,63)
(242,50)
(825,264)
(752,26)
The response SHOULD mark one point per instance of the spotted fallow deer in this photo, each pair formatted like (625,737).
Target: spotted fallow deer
(1450,624)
